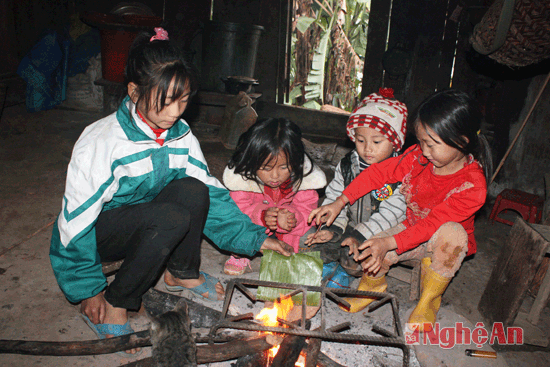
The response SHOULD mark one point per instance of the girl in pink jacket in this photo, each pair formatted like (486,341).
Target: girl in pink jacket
(274,182)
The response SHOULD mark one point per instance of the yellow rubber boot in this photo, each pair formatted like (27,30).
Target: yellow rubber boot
(433,285)
(369,284)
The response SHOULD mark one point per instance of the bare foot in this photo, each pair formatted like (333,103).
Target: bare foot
(117,316)
(171,280)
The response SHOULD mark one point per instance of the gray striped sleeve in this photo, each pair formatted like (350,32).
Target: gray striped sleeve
(392,211)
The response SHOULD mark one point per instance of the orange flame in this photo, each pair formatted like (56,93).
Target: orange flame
(269,317)
(279,310)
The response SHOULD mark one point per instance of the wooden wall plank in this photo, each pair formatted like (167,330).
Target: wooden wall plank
(376,45)
(448,45)
(464,77)
(513,272)
(284,50)
(430,25)
(9,52)
(183,20)
(405,25)
(312,122)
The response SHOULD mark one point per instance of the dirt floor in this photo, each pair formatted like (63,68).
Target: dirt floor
(35,149)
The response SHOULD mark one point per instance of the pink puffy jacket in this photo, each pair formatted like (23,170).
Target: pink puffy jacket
(253,200)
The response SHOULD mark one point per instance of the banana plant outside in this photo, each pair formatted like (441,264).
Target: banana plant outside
(329,39)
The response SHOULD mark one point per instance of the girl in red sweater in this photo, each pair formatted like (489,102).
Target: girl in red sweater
(444,184)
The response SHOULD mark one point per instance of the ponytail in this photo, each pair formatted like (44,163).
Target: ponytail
(484,156)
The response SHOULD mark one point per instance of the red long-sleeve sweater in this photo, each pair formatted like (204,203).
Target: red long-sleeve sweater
(432,200)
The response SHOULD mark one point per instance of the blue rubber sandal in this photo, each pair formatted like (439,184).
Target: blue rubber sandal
(208,286)
(102,330)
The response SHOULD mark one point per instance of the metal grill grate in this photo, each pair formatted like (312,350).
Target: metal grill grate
(246,321)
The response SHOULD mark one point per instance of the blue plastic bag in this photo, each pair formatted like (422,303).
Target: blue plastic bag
(336,276)
(44,69)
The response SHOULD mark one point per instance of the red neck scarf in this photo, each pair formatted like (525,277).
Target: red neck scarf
(157,132)
(279,193)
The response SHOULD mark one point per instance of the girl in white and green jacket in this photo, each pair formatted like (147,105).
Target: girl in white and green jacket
(138,188)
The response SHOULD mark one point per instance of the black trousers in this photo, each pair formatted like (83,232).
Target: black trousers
(164,232)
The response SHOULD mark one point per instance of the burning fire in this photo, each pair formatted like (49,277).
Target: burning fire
(279,310)
(269,316)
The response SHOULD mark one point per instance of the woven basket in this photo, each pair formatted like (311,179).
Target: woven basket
(526,41)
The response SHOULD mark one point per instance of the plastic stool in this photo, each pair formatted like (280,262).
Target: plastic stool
(529,206)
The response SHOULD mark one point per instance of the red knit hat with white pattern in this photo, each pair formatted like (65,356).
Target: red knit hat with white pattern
(382,113)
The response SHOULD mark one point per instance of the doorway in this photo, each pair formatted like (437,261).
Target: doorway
(328,40)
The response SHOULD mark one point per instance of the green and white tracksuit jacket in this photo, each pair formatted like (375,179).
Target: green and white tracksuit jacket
(116,162)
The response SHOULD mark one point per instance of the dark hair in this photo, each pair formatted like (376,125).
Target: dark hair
(265,139)
(456,118)
(153,65)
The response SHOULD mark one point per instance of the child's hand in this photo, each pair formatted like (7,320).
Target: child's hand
(375,251)
(286,219)
(270,218)
(330,211)
(319,237)
(353,245)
